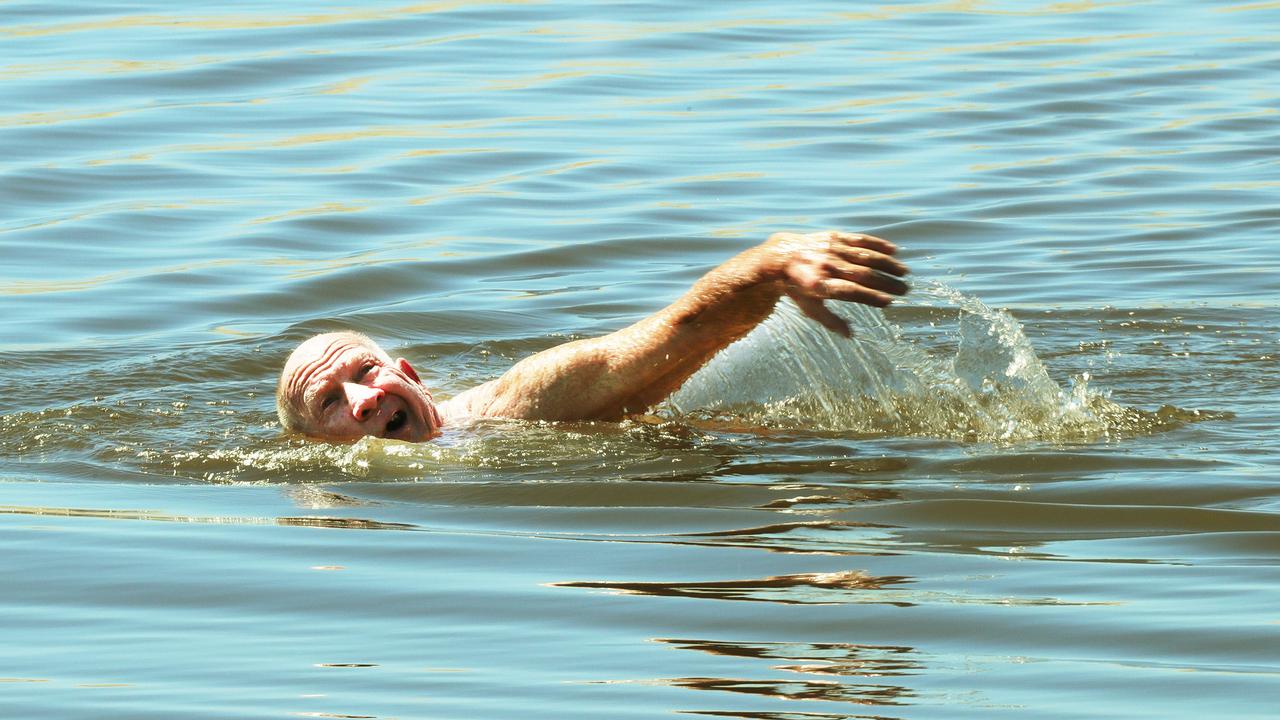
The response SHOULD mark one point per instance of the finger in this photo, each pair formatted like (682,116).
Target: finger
(871,259)
(815,309)
(866,241)
(867,277)
(837,289)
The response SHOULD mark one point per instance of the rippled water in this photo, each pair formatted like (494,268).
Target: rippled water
(1042,486)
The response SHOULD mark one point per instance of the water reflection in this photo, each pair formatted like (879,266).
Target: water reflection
(821,537)
(801,690)
(245,21)
(341,523)
(846,659)
(786,715)
(839,666)
(814,503)
(835,466)
(800,589)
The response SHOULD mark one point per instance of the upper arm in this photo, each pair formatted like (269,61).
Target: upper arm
(574,381)
(605,378)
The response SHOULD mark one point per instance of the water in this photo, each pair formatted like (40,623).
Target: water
(1043,486)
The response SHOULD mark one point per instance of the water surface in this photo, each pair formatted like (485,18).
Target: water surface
(1041,487)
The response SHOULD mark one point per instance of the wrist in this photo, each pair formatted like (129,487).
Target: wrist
(769,259)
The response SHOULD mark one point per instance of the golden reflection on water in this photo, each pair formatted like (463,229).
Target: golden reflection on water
(865,102)
(618,32)
(125,207)
(317,138)
(713,177)
(1194,120)
(1124,152)
(330,170)
(605,32)
(1022,44)
(711,95)
(248,22)
(101,67)
(302,268)
(36,287)
(235,332)
(366,259)
(345,86)
(1249,8)
(532,81)
(490,186)
(53,117)
(435,130)
(321,209)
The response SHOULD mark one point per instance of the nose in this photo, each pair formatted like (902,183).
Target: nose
(362,399)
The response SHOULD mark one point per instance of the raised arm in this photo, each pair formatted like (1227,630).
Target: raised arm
(629,371)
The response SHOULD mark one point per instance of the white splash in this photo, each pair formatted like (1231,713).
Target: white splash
(981,381)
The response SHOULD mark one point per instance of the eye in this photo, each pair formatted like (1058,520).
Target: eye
(364,370)
(329,400)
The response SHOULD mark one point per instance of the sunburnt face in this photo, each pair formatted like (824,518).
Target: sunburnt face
(345,388)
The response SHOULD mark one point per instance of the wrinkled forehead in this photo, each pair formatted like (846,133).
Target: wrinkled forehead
(316,354)
(317,345)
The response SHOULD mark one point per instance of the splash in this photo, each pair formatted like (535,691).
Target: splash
(487,450)
(965,371)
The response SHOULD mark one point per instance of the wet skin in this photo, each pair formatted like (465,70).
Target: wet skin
(343,386)
(348,388)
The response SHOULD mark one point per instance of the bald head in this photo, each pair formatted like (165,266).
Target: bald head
(342,386)
(289,407)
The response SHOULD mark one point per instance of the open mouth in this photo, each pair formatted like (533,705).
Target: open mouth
(397,421)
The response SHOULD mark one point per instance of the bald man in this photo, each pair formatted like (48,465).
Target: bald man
(342,386)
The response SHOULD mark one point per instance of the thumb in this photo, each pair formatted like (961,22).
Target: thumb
(817,310)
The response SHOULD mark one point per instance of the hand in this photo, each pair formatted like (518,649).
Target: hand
(834,265)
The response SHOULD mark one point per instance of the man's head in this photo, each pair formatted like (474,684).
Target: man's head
(342,386)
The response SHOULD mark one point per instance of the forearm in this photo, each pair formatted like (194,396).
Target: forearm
(721,308)
(732,298)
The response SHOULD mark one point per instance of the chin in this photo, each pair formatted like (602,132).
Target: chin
(428,423)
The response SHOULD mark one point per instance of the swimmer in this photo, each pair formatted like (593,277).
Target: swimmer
(341,386)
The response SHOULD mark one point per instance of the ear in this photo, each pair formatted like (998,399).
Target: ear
(407,369)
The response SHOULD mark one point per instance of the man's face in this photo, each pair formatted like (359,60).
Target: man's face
(344,387)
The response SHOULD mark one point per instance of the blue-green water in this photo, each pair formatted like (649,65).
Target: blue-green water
(1045,486)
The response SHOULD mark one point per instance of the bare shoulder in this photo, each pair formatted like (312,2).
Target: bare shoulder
(565,382)
(468,405)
